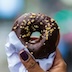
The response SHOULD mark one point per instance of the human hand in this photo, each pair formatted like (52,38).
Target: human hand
(29,62)
(58,66)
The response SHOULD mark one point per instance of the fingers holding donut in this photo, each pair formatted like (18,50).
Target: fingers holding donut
(29,62)
(26,28)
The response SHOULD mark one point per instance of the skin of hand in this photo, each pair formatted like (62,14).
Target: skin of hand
(59,64)
(29,62)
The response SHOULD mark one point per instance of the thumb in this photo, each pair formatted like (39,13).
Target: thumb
(29,62)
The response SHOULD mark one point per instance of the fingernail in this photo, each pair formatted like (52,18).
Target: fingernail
(24,55)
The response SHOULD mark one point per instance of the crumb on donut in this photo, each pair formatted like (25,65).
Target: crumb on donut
(33,14)
(21,27)
(26,42)
(28,33)
(41,23)
(20,36)
(24,21)
(31,53)
(14,27)
(33,28)
(51,30)
(39,14)
(17,25)
(48,28)
(45,26)
(44,43)
(23,36)
(59,28)
(46,20)
(52,23)
(26,28)
(52,20)
(46,32)
(29,23)
(32,20)
(54,27)
(36,26)
(42,16)
(48,24)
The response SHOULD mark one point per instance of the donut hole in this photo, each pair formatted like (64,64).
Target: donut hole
(35,29)
(35,37)
(32,33)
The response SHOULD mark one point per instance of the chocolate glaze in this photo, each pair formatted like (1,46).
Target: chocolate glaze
(37,22)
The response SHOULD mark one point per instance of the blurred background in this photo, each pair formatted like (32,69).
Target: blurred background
(60,10)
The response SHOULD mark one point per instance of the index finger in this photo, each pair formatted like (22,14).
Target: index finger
(29,62)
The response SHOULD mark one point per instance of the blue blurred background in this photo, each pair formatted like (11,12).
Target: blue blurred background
(60,10)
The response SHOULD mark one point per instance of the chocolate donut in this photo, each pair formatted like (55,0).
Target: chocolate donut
(39,46)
